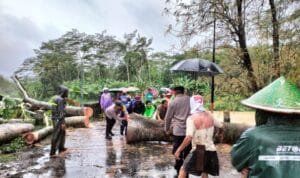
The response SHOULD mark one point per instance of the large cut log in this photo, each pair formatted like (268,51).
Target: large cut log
(141,129)
(36,104)
(80,121)
(4,121)
(96,108)
(13,130)
(75,121)
(230,133)
(38,135)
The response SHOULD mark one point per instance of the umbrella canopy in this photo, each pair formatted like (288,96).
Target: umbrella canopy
(116,89)
(198,66)
(165,90)
(131,89)
(154,91)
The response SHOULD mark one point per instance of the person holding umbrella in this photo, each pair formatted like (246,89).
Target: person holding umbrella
(199,67)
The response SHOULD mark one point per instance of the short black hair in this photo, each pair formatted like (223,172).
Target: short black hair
(148,102)
(118,103)
(164,101)
(179,89)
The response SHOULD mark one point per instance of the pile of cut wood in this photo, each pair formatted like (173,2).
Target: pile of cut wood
(76,117)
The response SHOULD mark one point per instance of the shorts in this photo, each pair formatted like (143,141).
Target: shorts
(211,163)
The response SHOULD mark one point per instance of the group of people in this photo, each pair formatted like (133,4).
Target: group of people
(119,108)
(184,116)
(270,149)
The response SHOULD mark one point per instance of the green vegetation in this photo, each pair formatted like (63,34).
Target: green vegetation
(14,146)
(88,62)
(13,108)
(4,158)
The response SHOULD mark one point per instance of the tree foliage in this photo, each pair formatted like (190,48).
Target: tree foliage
(247,49)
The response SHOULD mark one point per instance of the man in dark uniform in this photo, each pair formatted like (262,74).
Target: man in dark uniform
(272,148)
(58,119)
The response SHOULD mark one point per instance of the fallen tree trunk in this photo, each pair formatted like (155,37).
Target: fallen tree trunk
(230,133)
(13,130)
(77,121)
(5,121)
(32,137)
(36,104)
(141,129)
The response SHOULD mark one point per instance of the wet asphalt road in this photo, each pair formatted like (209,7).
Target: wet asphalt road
(91,155)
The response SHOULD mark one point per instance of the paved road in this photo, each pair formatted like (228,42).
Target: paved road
(93,156)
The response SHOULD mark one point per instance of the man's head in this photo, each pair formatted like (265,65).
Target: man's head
(178,90)
(197,104)
(164,103)
(169,95)
(63,91)
(148,104)
(118,106)
(149,90)
(105,90)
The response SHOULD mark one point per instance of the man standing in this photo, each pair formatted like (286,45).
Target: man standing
(149,110)
(176,116)
(58,119)
(162,110)
(112,114)
(138,106)
(200,131)
(149,95)
(271,148)
(105,99)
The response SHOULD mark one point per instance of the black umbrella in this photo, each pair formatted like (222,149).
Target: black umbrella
(200,67)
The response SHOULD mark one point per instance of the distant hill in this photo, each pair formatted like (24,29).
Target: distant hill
(8,87)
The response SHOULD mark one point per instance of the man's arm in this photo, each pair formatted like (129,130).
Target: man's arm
(102,101)
(187,140)
(60,108)
(243,151)
(169,116)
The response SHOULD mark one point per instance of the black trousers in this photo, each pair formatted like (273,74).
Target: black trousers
(58,136)
(177,140)
(109,125)
(123,127)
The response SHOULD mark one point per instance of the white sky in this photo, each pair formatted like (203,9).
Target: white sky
(24,24)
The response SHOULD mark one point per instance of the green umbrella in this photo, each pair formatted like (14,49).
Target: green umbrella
(280,96)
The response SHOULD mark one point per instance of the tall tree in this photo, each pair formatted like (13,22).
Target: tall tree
(275,36)
(195,17)
(134,50)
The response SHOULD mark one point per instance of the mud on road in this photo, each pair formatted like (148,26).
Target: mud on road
(92,156)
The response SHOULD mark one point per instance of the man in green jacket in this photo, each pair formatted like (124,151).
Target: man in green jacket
(272,148)
(149,110)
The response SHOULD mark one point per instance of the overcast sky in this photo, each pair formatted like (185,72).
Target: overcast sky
(24,24)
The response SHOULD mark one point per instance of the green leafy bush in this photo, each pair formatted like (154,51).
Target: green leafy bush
(14,146)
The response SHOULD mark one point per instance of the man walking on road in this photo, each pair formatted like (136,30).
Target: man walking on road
(175,119)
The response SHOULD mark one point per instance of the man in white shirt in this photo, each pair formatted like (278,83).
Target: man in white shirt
(112,113)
